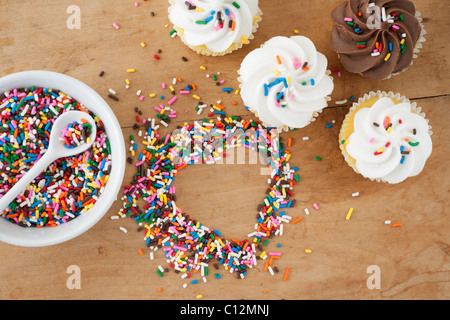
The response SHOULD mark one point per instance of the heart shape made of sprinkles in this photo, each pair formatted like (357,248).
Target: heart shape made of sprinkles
(189,245)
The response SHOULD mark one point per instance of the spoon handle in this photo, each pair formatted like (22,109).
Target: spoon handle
(20,185)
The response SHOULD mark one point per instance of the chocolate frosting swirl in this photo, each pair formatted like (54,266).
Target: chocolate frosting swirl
(375,38)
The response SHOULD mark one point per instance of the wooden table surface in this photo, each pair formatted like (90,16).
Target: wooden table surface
(413,259)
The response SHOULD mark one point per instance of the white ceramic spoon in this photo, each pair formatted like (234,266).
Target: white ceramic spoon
(55,150)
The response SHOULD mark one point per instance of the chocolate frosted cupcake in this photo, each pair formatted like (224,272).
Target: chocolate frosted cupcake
(377,38)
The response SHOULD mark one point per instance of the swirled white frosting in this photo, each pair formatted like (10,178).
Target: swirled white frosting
(389,142)
(286,81)
(217,24)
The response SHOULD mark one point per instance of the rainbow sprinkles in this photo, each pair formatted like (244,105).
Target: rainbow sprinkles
(189,245)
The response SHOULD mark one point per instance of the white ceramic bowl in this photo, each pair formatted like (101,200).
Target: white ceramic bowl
(39,237)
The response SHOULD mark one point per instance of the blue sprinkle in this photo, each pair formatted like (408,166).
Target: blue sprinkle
(280,95)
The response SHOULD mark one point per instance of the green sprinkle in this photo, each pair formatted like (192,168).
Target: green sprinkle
(236,5)
(266,242)
(413,144)
(318,158)
(160,273)
(200,22)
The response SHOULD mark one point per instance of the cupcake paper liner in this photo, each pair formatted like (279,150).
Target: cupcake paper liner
(366,102)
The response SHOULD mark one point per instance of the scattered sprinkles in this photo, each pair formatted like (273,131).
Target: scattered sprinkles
(187,244)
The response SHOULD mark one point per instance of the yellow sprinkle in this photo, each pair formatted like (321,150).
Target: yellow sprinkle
(203,67)
(349,214)
(196,97)
(402,41)
(277,73)
(308,251)
(152,95)
(142,44)
(127,81)
(288,157)
(244,39)
(288,80)
(236,92)
(296,31)
(263,254)
(199,296)
(198,9)
(166,25)
(387,57)
(130,70)
(389,130)
(380,150)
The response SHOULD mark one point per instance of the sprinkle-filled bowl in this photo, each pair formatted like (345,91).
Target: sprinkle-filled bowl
(38,237)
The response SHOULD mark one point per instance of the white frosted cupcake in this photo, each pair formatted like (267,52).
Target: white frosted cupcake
(215,27)
(286,82)
(385,137)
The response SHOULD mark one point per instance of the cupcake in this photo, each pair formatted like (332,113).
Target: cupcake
(285,82)
(377,38)
(385,137)
(215,27)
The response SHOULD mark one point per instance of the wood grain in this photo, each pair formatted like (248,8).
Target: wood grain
(413,259)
